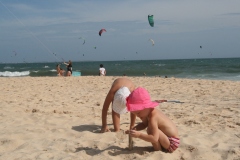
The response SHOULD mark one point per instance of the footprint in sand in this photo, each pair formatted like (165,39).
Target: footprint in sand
(67,112)
(191,122)
(35,110)
(5,141)
(121,135)
(191,148)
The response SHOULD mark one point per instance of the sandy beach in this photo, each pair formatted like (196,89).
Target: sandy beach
(60,118)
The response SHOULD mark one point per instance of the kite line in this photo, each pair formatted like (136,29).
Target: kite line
(49,51)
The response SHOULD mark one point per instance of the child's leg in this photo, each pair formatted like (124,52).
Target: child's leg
(163,141)
(116,121)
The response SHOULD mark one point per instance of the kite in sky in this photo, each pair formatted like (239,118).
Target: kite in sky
(150,20)
(15,53)
(101,31)
(83,40)
(152,41)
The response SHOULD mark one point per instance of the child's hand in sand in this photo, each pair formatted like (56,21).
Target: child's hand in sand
(104,129)
(127,132)
(134,133)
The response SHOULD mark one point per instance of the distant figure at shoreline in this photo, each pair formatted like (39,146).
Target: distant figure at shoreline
(69,68)
(60,71)
(102,70)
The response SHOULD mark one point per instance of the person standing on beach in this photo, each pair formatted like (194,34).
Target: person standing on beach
(69,68)
(117,94)
(161,131)
(102,70)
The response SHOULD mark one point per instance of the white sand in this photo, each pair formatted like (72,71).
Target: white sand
(60,118)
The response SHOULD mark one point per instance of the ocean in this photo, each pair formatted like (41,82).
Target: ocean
(218,69)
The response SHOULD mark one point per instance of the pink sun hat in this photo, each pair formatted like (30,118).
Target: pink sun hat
(139,99)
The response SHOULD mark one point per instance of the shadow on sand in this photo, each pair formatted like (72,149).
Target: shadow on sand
(90,128)
(115,150)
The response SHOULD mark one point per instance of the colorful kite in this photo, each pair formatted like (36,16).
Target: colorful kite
(101,31)
(150,20)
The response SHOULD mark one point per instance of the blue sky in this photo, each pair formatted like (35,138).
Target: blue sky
(33,30)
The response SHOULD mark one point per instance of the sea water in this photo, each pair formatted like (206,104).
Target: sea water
(222,69)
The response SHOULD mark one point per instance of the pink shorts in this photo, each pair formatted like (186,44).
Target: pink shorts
(174,143)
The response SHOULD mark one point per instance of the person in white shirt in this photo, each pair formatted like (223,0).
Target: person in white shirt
(102,70)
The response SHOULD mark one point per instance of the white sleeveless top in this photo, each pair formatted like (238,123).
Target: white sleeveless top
(102,71)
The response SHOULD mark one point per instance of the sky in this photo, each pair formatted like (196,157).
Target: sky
(51,31)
